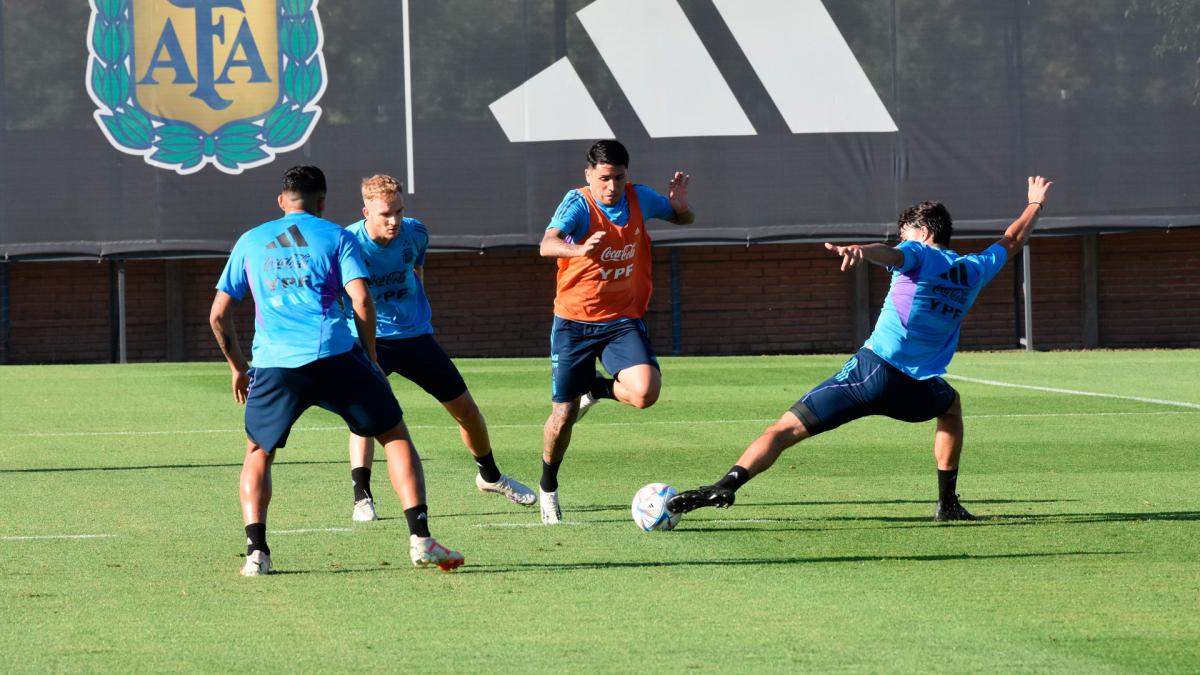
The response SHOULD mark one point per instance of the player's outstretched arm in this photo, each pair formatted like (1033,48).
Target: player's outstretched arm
(220,318)
(364,314)
(554,245)
(1017,234)
(878,254)
(677,194)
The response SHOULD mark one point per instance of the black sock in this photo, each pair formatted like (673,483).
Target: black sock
(256,538)
(487,468)
(418,520)
(602,387)
(947,485)
(549,482)
(734,479)
(362,483)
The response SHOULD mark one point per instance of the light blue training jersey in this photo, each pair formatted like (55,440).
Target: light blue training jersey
(931,291)
(573,219)
(401,308)
(296,268)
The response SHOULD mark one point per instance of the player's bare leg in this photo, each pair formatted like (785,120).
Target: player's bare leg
(473,430)
(404,466)
(255,489)
(471,425)
(762,453)
(638,386)
(757,458)
(408,480)
(556,436)
(947,447)
(256,483)
(948,440)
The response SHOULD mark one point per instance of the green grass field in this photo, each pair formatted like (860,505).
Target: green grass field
(1087,558)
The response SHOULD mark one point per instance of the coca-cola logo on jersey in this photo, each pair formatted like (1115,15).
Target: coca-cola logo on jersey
(618,255)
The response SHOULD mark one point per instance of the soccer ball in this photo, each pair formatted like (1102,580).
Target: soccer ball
(650,507)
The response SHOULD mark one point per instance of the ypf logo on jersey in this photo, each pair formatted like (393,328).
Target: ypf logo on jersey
(185,83)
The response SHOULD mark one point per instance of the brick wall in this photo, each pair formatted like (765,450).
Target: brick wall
(733,300)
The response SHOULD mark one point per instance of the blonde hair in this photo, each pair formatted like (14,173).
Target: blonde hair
(381,185)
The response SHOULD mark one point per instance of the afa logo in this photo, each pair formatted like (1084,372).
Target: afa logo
(185,83)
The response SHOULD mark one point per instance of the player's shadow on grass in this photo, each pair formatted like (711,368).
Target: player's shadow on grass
(1009,519)
(154,467)
(574,508)
(727,562)
(837,502)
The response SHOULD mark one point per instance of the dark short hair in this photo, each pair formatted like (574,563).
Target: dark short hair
(608,152)
(930,215)
(306,181)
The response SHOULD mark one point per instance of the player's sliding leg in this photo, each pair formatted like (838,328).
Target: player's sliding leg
(473,430)
(362,455)
(947,446)
(408,479)
(757,458)
(255,488)
(556,436)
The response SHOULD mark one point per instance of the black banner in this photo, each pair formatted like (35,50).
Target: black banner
(161,127)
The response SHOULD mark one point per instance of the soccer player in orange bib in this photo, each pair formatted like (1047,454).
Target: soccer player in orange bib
(598,235)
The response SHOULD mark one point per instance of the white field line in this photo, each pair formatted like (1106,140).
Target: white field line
(310,530)
(57,536)
(1075,392)
(763,420)
(565,522)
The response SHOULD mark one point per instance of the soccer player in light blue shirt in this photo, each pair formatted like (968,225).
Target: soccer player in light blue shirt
(297,268)
(897,371)
(394,251)
(572,218)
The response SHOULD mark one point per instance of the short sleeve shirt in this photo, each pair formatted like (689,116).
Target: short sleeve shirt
(931,291)
(401,307)
(572,217)
(296,268)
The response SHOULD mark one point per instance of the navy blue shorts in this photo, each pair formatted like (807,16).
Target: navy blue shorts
(347,384)
(423,361)
(868,385)
(575,346)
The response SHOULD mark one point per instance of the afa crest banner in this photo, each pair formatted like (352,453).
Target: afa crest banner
(190,83)
(163,127)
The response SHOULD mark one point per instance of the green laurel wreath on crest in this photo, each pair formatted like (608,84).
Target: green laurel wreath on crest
(183,144)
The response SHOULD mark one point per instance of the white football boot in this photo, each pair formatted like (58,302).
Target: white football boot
(257,564)
(585,404)
(551,513)
(426,551)
(364,511)
(513,489)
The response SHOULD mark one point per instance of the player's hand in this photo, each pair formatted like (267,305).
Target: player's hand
(241,386)
(677,191)
(1038,187)
(591,243)
(851,255)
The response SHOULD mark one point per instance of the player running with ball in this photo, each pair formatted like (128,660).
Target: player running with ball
(896,372)
(599,239)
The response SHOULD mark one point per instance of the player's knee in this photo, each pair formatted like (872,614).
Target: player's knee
(643,399)
(791,430)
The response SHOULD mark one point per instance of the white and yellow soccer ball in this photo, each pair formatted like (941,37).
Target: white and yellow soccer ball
(650,508)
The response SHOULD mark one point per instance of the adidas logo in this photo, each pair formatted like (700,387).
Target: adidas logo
(958,275)
(297,239)
(674,85)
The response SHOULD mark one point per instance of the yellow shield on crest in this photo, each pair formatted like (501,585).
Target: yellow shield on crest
(207,62)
